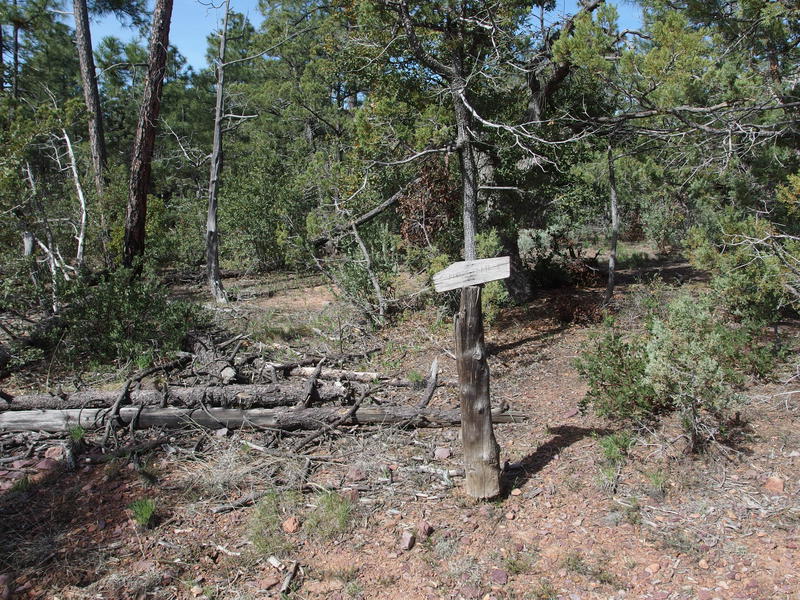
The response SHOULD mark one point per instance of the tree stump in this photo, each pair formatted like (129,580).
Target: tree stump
(481,452)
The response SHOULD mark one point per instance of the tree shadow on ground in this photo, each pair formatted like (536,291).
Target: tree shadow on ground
(516,475)
(57,526)
(493,349)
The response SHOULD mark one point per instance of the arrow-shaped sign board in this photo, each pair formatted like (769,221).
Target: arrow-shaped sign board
(472,272)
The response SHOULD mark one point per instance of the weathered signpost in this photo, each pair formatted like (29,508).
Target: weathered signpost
(481,453)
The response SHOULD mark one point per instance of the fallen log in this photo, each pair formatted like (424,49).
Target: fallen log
(288,419)
(364,377)
(285,393)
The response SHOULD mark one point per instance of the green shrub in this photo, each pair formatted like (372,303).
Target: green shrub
(116,319)
(688,359)
(614,368)
(749,280)
(331,517)
(540,251)
(615,446)
(143,511)
(20,291)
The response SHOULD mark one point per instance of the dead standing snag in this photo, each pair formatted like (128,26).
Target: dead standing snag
(481,453)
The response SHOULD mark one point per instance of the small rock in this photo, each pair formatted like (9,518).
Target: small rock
(196,590)
(703,564)
(54,452)
(291,525)
(441,453)
(424,530)
(470,591)
(511,515)
(222,432)
(355,474)
(350,495)
(266,583)
(324,588)
(228,375)
(407,540)
(516,492)
(498,576)
(534,492)
(774,485)
(47,464)
(653,569)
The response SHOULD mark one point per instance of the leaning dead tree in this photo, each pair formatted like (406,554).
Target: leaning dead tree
(91,95)
(144,141)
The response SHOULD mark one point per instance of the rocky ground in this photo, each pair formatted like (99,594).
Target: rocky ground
(382,514)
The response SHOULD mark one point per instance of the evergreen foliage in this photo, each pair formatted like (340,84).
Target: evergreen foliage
(331,111)
(690,358)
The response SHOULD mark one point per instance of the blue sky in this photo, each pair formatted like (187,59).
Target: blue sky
(192,21)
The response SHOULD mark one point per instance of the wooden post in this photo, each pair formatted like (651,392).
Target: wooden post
(481,453)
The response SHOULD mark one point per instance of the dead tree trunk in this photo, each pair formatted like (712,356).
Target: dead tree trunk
(289,419)
(80,237)
(612,256)
(144,141)
(91,95)
(212,233)
(15,55)
(481,453)
(2,60)
(238,396)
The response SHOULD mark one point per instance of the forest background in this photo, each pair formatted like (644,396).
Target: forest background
(355,133)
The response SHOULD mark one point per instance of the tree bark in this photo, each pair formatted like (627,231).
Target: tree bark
(612,255)
(2,60)
(144,141)
(212,233)
(91,95)
(469,170)
(239,396)
(15,56)
(481,452)
(288,419)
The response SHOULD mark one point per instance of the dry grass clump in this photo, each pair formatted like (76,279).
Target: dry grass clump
(226,467)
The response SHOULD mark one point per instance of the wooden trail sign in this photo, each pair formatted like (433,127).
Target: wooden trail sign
(472,272)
